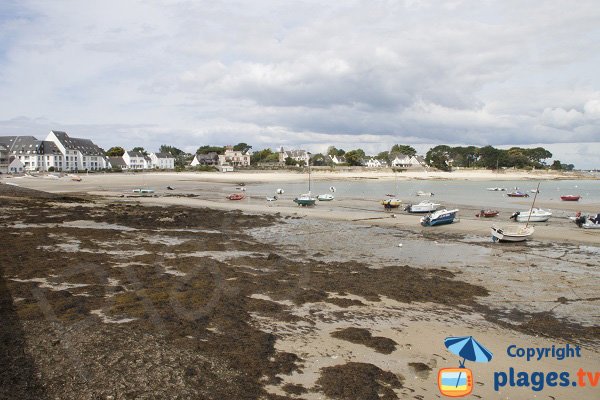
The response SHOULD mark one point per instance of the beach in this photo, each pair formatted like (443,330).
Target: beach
(184,294)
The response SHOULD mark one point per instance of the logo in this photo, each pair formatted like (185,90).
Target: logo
(458,382)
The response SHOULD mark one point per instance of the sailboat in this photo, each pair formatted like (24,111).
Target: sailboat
(515,233)
(392,201)
(306,199)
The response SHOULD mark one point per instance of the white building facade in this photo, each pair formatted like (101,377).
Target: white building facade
(162,161)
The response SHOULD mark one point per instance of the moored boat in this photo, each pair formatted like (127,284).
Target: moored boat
(487,213)
(570,197)
(305,200)
(439,217)
(424,194)
(496,189)
(423,207)
(143,191)
(325,197)
(512,233)
(391,203)
(236,196)
(533,215)
(517,193)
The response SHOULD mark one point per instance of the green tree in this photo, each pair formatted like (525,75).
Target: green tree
(332,151)
(290,161)
(439,157)
(354,157)
(208,149)
(556,165)
(174,151)
(403,149)
(243,147)
(264,155)
(140,150)
(115,152)
(384,156)
(319,160)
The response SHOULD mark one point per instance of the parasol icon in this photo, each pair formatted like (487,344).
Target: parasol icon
(469,349)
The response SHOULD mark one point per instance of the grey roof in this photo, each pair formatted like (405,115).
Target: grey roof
(3,148)
(20,144)
(85,146)
(135,154)
(296,153)
(163,155)
(208,156)
(49,147)
(117,162)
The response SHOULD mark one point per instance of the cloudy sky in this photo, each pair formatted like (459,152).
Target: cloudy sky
(305,73)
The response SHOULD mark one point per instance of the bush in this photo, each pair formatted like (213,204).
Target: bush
(51,169)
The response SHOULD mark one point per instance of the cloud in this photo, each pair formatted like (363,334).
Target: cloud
(308,73)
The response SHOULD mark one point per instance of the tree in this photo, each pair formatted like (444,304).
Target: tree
(115,152)
(243,147)
(557,165)
(332,151)
(439,157)
(355,157)
(140,150)
(265,155)
(290,161)
(208,149)
(403,149)
(319,160)
(384,156)
(174,151)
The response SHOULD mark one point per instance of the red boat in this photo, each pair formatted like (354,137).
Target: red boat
(236,196)
(487,213)
(570,197)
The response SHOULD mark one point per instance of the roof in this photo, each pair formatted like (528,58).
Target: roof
(135,154)
(117,162)
(2,148)
(85,146)
(296,153)
(209,156)
(163,155)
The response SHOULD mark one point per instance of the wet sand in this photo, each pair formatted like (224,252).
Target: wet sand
(122,297)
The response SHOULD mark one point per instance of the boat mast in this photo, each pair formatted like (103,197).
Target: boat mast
(309,175)
(532,204)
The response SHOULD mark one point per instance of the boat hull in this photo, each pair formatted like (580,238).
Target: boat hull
(425,207)
(519,234)
(305,202)
(570,198)
(442,217)
(325,197)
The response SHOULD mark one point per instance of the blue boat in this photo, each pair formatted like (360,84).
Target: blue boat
(439,217)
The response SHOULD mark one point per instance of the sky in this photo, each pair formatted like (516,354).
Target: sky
(305,74)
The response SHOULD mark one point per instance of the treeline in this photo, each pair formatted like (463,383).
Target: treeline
(445,158)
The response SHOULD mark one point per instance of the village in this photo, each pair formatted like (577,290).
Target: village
(59,152)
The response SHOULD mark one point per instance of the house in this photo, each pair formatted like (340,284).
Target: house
(338,159)
(301,156)
(77,154)
(16,167)
(406,161)
(58,151)
(211,158)
(135,160)
(162,161)
(3,159)
(117,162)
(374,163)
(234,158)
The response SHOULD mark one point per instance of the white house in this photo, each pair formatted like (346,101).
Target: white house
(135,160)
(16,167)
(234,158)
(338,159)
(211,158)
(162,161)
(405,161)
(77,154)
(375,163)
(297,155)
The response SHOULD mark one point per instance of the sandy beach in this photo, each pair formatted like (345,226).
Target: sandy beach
(187,295)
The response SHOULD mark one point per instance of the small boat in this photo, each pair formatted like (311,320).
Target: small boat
(305,200)
(570,197)
(533,215)
(270,199)
(242,189)
(588,222)
(279,191)
(425,206)
(512,233)
(143,191)
(170,188)
(236,196)
(391,203)
(517,193)
(424,194)
(487,213)
(325,197)
(496,189)
(75,178)
(534,191)
(439,217)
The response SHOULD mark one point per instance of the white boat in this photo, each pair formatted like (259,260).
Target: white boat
(512,233)
(423,207)
(533,215)
(325,197)
(143,191)
(589,222)
(534,191)
(496,189)
(424,194)
(590,225)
